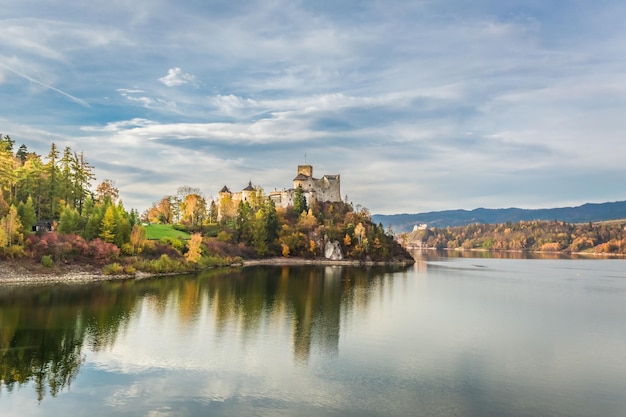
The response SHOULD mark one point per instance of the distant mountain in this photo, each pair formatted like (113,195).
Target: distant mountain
(589,212)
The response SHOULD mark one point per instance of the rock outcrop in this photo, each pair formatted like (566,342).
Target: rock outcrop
(332,251)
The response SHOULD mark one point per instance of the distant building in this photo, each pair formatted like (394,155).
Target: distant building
(327,188)
(322,189)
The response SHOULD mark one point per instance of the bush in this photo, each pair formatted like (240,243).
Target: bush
(175,243)
(46,261)
(12,252)
(102,251)
(113,269)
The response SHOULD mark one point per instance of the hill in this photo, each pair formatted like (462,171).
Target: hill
(590,212)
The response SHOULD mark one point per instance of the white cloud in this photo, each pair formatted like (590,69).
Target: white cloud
(176,77)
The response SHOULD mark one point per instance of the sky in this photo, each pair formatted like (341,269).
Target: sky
(420,105)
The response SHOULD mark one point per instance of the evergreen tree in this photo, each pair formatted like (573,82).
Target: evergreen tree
(69,221)
(22,153)
(243,222)
(299,201)
(82,175)
(94,219)
(271,220)
(52,173)
(122,226)
(259,233)
(27,215)
(66,187)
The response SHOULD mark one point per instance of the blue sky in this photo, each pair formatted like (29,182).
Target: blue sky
(419,105)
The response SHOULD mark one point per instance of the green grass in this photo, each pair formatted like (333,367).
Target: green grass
(159,231)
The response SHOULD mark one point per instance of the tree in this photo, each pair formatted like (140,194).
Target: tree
(243,222)
(27,215)
(108,225)
(213,212)
(82,175)
(8,172)
(193,211)
(194,249)
(165,210)
(299,201)
(259,233)
(122,225)
(22,153)
(69,221)
(52,173)
(137,237)
(107,191)
(11,227)
(66,186)
(6,143)
(359,232)
(32,182)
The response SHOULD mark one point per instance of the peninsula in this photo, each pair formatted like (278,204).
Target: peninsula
(53,224)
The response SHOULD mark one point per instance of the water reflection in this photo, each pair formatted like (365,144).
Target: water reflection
(46,330)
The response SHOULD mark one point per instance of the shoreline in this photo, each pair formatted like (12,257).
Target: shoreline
(21,272)
(25,272)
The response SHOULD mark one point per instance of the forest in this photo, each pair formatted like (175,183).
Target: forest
(51,213)
(536,235)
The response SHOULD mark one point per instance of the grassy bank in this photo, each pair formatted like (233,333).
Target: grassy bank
(160,231)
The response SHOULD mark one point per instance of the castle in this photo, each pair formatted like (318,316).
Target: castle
(322,189)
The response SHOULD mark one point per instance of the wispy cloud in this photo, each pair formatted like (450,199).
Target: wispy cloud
(434,104)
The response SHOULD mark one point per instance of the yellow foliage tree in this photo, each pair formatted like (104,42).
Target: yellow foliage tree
(194,251)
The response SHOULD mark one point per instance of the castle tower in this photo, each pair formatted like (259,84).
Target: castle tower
(306,170)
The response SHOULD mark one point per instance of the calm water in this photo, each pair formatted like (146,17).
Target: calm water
(446,337)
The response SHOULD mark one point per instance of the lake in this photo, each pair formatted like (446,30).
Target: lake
(448,336)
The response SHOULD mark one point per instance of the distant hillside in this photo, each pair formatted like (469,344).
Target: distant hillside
(589,212)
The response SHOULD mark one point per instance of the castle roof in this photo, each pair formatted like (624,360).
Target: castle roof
(225,190)
(301,177)
(249,187)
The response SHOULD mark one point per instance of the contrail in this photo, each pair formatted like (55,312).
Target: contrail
(71,97)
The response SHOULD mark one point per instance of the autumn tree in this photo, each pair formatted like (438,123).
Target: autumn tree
(108,225)
(194,210)
(194,248)
(165,210)
(137,237)
(10,228)
(107,191)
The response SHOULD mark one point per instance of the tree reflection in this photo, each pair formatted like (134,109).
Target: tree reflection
(44,329)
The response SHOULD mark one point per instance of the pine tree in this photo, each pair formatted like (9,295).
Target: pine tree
(52,172)
(299,201)
(69,221)
(27,215)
